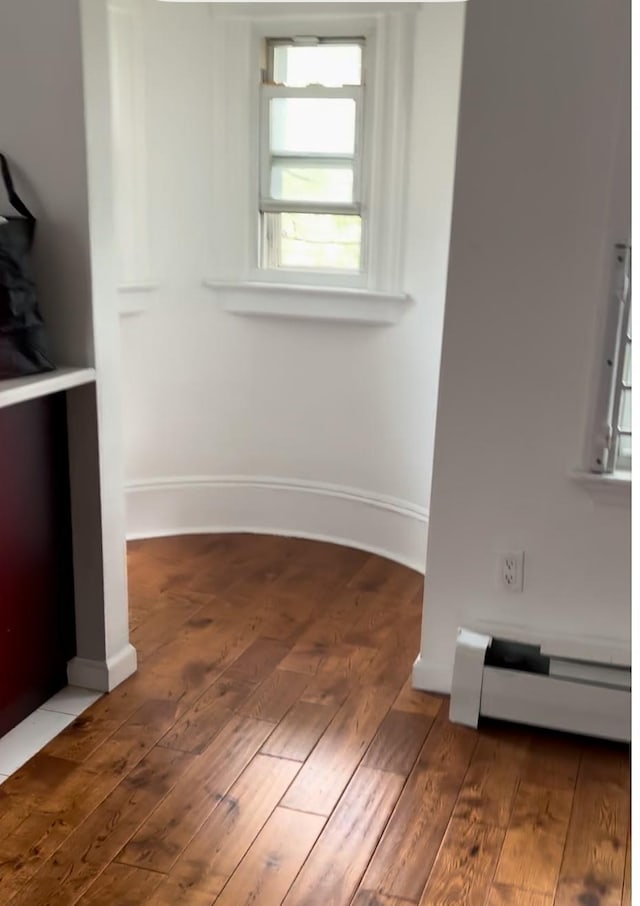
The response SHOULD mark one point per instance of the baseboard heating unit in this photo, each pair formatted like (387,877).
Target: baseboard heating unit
(516,681)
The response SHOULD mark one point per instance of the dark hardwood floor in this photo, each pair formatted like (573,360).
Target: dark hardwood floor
(270,750)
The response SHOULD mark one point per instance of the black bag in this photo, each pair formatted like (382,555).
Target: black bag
(23,348)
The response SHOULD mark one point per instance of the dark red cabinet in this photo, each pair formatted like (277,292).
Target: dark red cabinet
(36,581)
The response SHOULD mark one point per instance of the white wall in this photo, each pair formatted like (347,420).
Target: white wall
(542,191)
(43,131)
(297,427)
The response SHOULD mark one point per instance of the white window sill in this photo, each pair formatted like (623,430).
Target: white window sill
(612,488)
(320,303)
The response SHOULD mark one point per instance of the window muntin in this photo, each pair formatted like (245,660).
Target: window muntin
(311,204)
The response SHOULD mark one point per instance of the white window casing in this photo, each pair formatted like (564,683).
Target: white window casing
(604,455)
(240,161)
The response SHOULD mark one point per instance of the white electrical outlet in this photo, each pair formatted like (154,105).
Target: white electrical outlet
(512,571)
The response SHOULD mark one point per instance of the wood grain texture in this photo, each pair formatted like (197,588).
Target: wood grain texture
(96,842)
(417,702)
(331,874)
(535,839)
(165,834)
(465,865)
(490,784)
(396,745)
(626,890)
(594,857)
(208,862)
(273,861)
(297,734)
(123,885)
(406,853)
(328,769)
(275,696)
(370,898)
(277,672)
(200,725)
(512,896)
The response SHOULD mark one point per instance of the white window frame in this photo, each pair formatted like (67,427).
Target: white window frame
(377,293)
(603,453)
(358,207)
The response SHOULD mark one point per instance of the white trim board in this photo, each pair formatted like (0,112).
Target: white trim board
(428,676)
(105,675)
(383,525)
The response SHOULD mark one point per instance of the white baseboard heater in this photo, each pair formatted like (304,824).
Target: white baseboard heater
(516,681)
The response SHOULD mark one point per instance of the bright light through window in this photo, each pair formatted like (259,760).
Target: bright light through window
(331,65)
(311,155)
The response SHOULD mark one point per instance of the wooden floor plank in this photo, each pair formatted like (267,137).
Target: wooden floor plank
(134,738)
(465,864)
(89,731)
(95,843)
(297,734)
(275,696)
(552,759)
(626,890)
(200,725)
(328,689)
(276,672)
(258,660)
(328,769)
(396,745)
(535,839)
(488,792)
(380,576)
(210,859)
(121,885)
(167,832)
(500,895)
(164,620)
(417,702)
(331,874)
(594,857)
(370,898)
(403,860)
(604,762)
(349,661)
(273,861)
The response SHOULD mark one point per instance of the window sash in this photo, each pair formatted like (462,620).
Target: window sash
(269,75)
(281,205)
(266,202)
(608,431)
(266,157)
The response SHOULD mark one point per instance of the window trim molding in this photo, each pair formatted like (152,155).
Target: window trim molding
(310,303)
(605,487)
(389,36)
(602,438)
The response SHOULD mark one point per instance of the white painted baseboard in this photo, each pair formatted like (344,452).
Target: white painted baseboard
(431,676)
(103,676)
(264,505)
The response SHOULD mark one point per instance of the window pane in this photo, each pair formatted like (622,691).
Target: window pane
(312,125)
(625,410)
(315,241)
(332,65)
(624,452)
(299,182)
(626,377)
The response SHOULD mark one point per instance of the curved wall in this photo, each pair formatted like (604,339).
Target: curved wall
(252,424)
